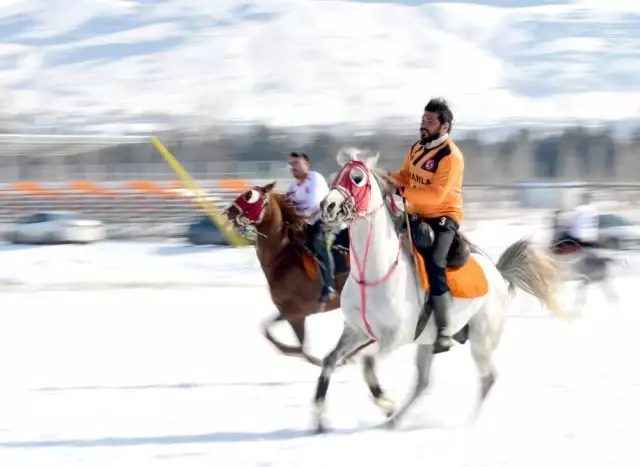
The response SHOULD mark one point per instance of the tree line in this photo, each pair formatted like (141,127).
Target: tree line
(576,153)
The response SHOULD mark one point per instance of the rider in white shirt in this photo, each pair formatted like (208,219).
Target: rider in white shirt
(308,190)
(585,224)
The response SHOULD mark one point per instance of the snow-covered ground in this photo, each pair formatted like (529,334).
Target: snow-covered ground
(127,264)
(173,264)
(181,376)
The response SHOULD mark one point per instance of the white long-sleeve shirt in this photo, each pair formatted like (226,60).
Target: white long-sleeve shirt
(584,223)
(308,194)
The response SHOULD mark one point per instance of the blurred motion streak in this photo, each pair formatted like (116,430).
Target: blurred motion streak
(225,227)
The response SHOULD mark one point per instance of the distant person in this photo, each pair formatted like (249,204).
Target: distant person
(585,223)
(307,191)
(561,241)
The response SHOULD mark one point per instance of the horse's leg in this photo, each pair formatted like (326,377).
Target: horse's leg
(482,346)
(347,359)
(288,350)
(371,378)
(298,327)
(607,285)
(424,359)
(582,291)
(349,340)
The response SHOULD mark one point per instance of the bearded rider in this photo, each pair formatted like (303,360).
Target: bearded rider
(430,181)
(308,190)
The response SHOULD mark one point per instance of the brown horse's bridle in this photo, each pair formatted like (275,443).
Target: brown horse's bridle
(242,218)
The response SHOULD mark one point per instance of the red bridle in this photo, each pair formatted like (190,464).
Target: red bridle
(251,206)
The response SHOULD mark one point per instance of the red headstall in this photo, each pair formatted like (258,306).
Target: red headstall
(251,205)
(354,180)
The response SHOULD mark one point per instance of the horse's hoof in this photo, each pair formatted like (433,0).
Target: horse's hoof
(390,424)
(387,405)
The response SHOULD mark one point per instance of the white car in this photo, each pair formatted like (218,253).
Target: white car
(617,232)
(53,227)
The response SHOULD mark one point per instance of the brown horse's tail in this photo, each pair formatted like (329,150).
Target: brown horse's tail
(289,350)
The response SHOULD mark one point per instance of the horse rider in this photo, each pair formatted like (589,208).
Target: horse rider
(560,241)
(584,224)
(430,181)
(307,190)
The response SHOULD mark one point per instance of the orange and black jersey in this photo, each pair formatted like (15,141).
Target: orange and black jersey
(430,180)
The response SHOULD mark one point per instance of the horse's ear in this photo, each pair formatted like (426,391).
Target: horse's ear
(267,188)
(342,157)
(347,154)
(372,161)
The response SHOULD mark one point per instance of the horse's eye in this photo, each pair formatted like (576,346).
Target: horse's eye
(252,196)
(358,177)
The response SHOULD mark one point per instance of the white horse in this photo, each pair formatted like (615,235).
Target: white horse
(382,299)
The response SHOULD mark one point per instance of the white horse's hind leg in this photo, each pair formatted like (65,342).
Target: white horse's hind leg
(485,331)
(350,340)
(482,347)
(424,359)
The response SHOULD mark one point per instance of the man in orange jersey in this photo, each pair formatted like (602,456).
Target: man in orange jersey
(430,181)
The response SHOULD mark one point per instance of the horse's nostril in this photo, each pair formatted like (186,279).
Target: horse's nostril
(331,206)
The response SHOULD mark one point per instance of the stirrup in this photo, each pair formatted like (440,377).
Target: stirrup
(443,344)
(326,294)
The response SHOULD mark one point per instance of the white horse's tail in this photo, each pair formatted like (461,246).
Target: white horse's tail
(533,270)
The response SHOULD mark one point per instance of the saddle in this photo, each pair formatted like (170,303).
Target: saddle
(465,275)
(459,253)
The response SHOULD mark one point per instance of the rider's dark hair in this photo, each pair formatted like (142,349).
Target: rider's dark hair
(440,107)
(299,155)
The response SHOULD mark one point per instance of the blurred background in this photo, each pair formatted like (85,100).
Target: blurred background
(545,97)
(127,332)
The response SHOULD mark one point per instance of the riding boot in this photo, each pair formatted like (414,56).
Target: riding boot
(327,273)
(441,305)
(318,238)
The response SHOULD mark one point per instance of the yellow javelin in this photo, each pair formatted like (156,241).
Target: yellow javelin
(230,233)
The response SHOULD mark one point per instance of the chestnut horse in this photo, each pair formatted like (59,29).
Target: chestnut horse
(290,269)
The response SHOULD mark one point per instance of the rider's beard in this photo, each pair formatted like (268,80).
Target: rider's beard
(427,137)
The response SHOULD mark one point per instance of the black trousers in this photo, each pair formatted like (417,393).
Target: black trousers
(445,230)
(318,241)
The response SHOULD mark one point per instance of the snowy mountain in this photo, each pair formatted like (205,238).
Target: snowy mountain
(133,64)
